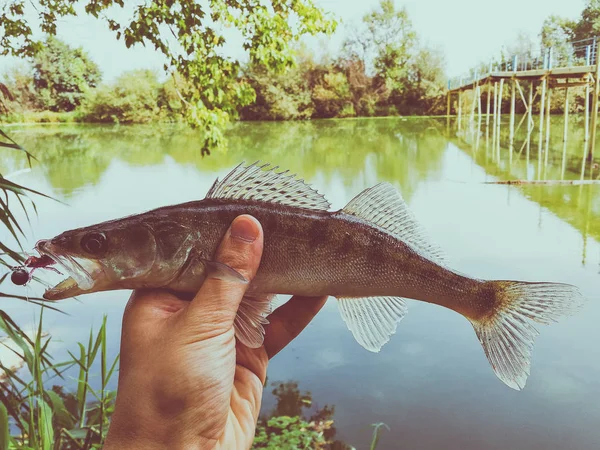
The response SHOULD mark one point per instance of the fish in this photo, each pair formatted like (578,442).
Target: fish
(372,255)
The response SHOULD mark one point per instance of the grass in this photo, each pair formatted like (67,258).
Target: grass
(33,416)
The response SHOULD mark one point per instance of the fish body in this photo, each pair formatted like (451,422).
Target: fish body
(371,255)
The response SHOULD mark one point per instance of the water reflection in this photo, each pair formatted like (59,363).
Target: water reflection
(577,204)
(291,402)
(76,157)
(431,383)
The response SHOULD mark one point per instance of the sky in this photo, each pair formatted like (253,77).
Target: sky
(466,31)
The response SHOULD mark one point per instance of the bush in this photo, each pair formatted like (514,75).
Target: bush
(278,97)
(133,98)
(280,433)
(332,97)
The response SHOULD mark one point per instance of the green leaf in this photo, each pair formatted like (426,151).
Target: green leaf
(63,416)
(45,424)
(4,430)
(82,381)
(19,337)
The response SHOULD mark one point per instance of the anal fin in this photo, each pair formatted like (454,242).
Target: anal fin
(372,320)
(251,318)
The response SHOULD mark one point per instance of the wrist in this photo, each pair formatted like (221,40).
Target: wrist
(128,433)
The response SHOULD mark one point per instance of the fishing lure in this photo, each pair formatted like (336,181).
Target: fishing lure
(21,276)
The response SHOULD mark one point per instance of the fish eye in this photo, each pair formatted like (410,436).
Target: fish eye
(94,243)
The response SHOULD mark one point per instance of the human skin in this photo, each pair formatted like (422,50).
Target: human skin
(184,381)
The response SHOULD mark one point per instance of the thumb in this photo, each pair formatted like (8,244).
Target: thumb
(216,303)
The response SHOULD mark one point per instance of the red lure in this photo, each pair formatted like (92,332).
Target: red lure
(21,276)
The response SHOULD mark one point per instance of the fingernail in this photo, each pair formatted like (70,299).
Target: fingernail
(244,230)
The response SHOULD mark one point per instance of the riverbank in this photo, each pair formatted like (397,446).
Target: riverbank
(73,117)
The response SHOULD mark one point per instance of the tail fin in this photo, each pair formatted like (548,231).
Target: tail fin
(507,337)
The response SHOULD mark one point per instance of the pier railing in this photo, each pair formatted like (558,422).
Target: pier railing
(578,53)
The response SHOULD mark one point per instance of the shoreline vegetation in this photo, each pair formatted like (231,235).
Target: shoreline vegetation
(382,69)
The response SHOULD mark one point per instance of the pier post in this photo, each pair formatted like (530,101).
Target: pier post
(548,110)
(448,107)
(479,117)
(541,125)
(479,105)
(542,110)
(512,116)
(586,126)
(592,146)
(489,96)
(565,135)
(495,112)
(499,122)
(529,119)
(473,105)
(459,109)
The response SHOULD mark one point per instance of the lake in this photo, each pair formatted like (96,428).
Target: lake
(431,384)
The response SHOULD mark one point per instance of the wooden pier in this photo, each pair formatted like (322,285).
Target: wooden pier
(542,82)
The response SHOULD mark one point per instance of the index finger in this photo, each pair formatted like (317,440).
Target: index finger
(288,321)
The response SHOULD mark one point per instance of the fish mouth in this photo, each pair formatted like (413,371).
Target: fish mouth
(82,273)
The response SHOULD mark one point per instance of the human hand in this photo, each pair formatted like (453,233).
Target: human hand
(184,381)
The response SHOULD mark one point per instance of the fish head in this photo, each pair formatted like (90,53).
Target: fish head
(111,255)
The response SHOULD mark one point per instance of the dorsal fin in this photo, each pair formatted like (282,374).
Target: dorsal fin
(262,183)
(383,206)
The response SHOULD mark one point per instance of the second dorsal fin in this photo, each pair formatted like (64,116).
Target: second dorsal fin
(383,206)
(263,183)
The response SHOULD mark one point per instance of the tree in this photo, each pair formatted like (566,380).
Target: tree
(62,75)
(427,80)
(393,41)
(588,24)
(21,89)
(557,34)
(281,96)
(133,98)
(267,30)
(385,44)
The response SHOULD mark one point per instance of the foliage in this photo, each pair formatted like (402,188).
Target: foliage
(266,30)
(331,94)
(62,75)
(382,70)
(133,98)
(20,194)
(557,33)
(425,91)
(52,418)
(283,96)
(406,78)
(286,432)
(19,82)
(588,24)
(288,428)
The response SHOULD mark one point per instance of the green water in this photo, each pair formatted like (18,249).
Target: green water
(431,384)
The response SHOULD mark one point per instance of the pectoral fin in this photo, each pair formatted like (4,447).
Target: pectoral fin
(251,318)
(223,272)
